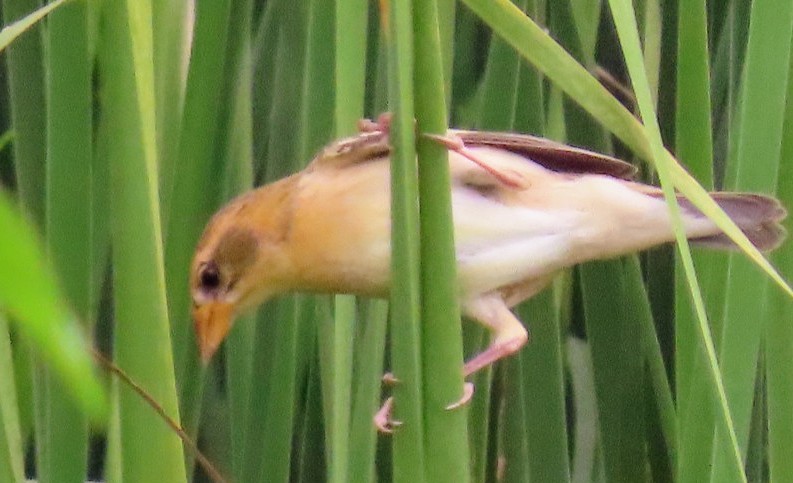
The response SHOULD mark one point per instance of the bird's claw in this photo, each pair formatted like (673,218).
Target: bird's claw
(382,418)
(468,392)
(389,379)
(382,124)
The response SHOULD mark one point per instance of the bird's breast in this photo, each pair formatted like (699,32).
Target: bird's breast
(340,233)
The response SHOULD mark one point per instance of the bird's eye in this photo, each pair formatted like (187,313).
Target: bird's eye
(210,277)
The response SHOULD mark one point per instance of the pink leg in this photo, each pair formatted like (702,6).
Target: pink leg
(456,144)
(509,335)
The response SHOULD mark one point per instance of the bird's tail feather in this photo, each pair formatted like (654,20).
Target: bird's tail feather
(758,216)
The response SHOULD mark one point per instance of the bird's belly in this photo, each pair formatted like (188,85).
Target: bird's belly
(500,245)
(489,268)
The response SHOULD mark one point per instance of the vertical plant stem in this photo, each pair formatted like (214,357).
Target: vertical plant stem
(24,60)
(779,331)
(11,448)
(695,417)
(62,430)
(142,332)
(759,135)
(172,22)
(350,35)
(409,453)
(618,367)
(445,433)
(27,96)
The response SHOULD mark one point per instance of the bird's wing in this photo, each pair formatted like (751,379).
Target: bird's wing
(371,145)
(550,154)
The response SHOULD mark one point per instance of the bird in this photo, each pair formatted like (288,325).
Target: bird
(524,209)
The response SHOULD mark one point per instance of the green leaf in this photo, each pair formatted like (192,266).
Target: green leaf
(30,295)
(62,430)
(10,32)
(12,450)
(142,340)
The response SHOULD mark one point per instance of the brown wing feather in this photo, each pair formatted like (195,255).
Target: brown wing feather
(550,154)
(370,145)
(362,147)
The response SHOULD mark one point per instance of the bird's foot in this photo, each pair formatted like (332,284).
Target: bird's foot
(382,124)
(468,392)
(382,418)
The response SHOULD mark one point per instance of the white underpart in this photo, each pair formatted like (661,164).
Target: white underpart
(580,219)
(498,245)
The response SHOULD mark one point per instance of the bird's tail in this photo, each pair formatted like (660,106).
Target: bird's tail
(758,216)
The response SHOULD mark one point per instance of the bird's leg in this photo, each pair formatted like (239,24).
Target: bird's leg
(508,334)
(454,143)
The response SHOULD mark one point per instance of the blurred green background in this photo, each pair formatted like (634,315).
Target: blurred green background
(124,124)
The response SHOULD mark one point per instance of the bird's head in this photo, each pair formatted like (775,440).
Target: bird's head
(226,278)
(242,259)
(221,283)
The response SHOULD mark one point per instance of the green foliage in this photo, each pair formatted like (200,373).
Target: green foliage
(131,121)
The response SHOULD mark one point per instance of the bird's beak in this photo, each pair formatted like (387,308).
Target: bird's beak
(212,323)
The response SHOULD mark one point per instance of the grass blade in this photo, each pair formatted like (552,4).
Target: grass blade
(618,367)
(409,451)
(26,96)
(29,294)
(195,192)
(62,436)
(172,22)
(11,449)
(543,382)
(10,32)
(779,328)
(445,432)
(759,135)
(239,163)
(142,332)
(625,22)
